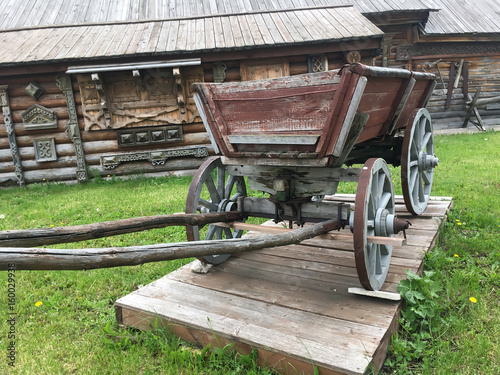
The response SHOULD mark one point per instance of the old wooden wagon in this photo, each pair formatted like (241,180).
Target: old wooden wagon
(291,136)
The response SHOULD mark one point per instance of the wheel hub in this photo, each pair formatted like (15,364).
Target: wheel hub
(384,223)
(227,205)
(426,162)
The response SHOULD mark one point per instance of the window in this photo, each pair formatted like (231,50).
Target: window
(141,97)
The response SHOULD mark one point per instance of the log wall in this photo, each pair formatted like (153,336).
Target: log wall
(99,143)
(483,73)
(95,143)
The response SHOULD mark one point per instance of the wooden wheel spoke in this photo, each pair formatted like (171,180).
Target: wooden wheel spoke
(378,260)
(415,186)
(413,177)
(426,178)
(414,150)
(421,129)
(381,185)
(207,204)
(386,198)
(229,186)
(211,232)
(212,190)
(221,181)
(426,140)
(228,233)
(413,163)
(421,193)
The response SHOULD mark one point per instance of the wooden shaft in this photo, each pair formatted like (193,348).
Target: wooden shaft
(396,241)
(51,236)
(79,259)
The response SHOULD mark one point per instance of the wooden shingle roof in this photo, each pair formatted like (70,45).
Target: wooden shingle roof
(176,36)
(464,17)
(32,13)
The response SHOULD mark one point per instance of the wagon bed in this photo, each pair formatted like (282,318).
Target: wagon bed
(306,119)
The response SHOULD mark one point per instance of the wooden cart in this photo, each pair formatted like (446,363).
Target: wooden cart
(291,137)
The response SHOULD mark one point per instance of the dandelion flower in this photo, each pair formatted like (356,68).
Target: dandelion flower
(473,300)
(456,255)
(457,220)
(459,223)
(51,225)
(39,303)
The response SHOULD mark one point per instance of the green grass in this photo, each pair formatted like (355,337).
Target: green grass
(74,329)
(451,322)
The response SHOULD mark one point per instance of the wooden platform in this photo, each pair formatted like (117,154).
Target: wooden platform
(290,303)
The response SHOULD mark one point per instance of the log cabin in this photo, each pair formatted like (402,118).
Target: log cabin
(460,43)
(103,88)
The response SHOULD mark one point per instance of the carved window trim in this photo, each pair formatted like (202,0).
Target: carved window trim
(138,95)
(317,63)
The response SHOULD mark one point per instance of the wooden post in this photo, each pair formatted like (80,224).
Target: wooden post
(465,75)
(80,259)
(11,134)
(451,78)
(472,109)
(63,81)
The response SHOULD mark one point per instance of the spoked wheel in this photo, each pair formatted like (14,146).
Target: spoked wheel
(418,161)
(211,192)
(373,216)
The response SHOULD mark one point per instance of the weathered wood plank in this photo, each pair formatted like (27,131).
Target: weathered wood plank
(310,278)
(251,333)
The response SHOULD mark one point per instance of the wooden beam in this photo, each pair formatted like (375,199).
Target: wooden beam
(56,235)
(80,259)
(451,79)
(395,241)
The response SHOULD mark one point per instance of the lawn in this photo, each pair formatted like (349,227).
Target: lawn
(65,320)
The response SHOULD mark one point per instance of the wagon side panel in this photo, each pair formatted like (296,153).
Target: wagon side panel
(417,99)
(333,135)
(273,117)
(380,103)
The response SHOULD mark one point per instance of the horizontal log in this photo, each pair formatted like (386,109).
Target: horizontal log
(22,103)
(81,259)
(76,233)
(49,88)
(481,102)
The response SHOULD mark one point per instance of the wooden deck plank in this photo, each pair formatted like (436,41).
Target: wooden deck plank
(291,303)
